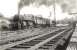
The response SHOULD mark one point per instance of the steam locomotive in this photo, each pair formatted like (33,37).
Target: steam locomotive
(26,21)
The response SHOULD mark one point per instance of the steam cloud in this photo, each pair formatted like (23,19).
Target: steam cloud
(66,5)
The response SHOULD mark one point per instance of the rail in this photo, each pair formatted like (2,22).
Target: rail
(41,42)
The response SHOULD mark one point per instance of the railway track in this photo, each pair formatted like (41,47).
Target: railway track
(40,41)
(12,35)
(40,32)
(37,42)
(21,34)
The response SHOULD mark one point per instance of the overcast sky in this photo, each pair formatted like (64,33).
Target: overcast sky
(10,7)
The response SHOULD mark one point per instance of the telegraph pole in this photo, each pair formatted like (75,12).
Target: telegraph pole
(19,25)
(19,7)
(18,10)
(54,6)
(50,16)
